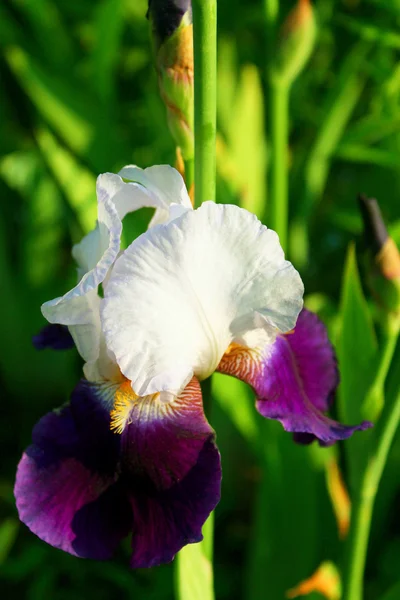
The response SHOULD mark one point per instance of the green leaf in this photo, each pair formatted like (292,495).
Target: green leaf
(371,129)
(356,345)
(393,593)
(237,400)
(394,231)
(42,228)
(339,107)
(194,572)
(357,352)
(108,28)
(8,534)
(358,153)
(49,32)
(371,32)
(242,155)
(77,182)
(290,504)
(60,103)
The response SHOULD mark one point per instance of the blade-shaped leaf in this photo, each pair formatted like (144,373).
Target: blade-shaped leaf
(356,346)
(237,401)
(357,352)
(108,28)
(194,572)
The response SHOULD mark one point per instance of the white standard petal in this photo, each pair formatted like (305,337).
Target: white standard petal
(95,254)
(182,292)
(80,307)
(126,196)
(164,186)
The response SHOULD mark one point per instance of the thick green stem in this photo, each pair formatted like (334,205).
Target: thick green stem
(279,130)
(189,173)
(205,97)
(363,502)
(194,562)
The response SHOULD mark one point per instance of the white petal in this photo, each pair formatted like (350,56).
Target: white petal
(127,197)
(182,292)
(80,307)
(165,215)
(97,252)
(87,335)
(165,186)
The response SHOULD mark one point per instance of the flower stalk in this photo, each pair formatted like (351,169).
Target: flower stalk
(205,111)
(363,503)
(205,97)
(285,62)
(279,106)
(383,266)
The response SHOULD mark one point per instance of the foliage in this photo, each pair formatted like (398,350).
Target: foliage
(79,97)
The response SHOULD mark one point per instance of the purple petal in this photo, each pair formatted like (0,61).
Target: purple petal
(295,379)
(54,336)
(167,520)
(315,359)
(65,487)
(170,467)
(163,435)
(80,487)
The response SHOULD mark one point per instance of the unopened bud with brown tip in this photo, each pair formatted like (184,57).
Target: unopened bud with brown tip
(172,33)
(383,257)
(296,41)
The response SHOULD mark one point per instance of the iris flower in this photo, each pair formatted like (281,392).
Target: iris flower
(201,291)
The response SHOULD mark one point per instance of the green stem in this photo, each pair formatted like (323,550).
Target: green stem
(373,403)
(189,173)
(279,125)
(271,11)
(205,97)
(387,353)
(363,502)
(194,561)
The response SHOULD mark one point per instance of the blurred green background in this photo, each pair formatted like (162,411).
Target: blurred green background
(79,97)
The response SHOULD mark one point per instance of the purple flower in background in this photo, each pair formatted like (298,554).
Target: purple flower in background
(201,291)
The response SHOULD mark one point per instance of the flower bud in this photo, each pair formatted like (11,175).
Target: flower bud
(383,258)
(172,32)
(296,41)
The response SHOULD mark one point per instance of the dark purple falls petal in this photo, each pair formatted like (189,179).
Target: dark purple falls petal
(171,467)
(53,336)
(295,379)
(65,487)
(167,520)
(82,487)
(164,434)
